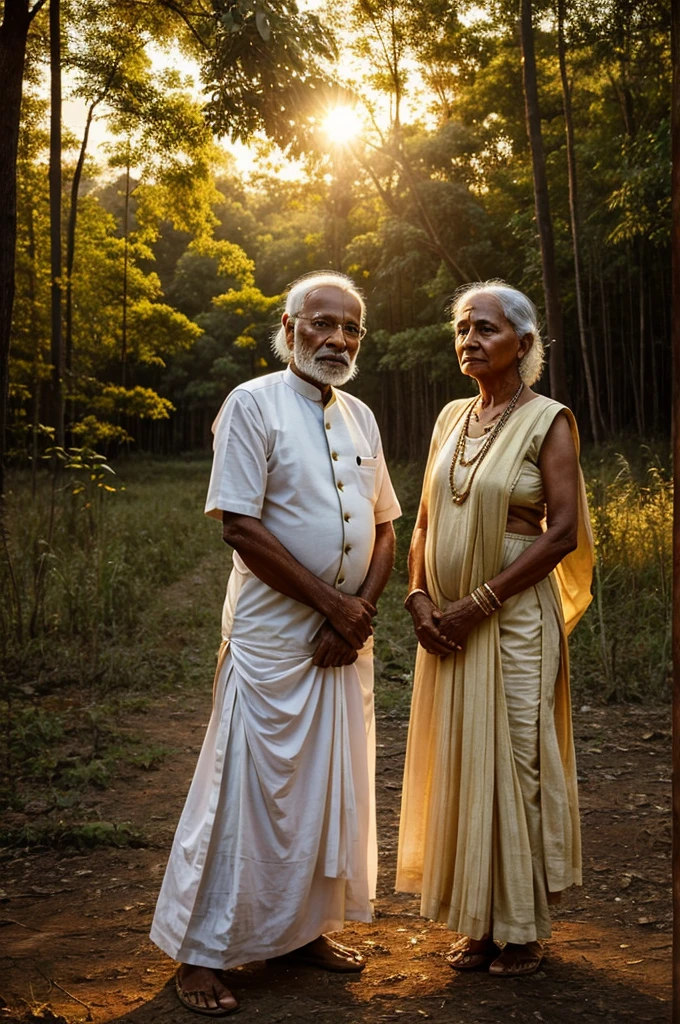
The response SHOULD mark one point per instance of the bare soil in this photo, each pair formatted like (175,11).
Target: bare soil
(74,925)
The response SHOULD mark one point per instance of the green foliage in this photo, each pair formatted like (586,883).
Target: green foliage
(622,648)
(643,200)
(95,433)
(79,837)
(270,70)
(92,628)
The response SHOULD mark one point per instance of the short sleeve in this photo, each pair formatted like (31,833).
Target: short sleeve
(239,472)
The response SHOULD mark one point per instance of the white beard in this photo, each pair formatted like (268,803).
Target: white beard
(322,373)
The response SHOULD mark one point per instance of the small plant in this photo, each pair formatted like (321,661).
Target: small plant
(79,837)
(92,480)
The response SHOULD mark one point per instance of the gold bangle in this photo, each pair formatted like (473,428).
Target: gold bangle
(412,593)
(479,601)
(486,603)
(492,597)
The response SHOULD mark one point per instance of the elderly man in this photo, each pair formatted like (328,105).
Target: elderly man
(276,844)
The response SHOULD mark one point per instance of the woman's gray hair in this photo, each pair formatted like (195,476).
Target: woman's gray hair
(520,313)
(295,300)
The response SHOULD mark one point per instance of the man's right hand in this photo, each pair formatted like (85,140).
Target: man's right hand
(332,650)
(352,618)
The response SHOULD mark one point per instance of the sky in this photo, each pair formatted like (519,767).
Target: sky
(74,111)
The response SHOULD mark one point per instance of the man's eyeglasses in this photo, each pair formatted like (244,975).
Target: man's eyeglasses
(326,327)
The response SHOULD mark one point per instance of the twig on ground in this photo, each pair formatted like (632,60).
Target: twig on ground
(12,920)
(67,993)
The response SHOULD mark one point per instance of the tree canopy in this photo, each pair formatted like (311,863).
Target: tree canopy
(177,259)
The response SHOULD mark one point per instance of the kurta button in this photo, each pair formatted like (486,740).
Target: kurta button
(334,456)
(328,426)
(341,580)
(347,517)
(348,548)
(341,486)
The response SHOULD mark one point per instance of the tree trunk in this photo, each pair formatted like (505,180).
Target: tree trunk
(606,332)
(631,351)
(644,342)
(71,241)
(553,307)
(16,21)
(55,221)
(575,219)
(126,232)
(675,290)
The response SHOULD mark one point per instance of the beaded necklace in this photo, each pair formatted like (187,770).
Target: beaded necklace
(460,497)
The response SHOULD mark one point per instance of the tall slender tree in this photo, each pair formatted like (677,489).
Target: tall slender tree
(553,304)
(55,223)
(17,17)
(675,132)
(575,220)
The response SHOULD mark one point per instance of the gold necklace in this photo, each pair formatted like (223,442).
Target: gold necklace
(460,497)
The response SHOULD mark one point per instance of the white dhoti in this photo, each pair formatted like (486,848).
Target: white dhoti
(276,844)
(277,840)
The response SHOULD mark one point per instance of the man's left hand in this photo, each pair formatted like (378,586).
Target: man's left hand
(332,650)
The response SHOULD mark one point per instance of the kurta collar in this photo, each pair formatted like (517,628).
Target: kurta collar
(303,387)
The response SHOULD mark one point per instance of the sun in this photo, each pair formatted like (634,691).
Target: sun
(341,124)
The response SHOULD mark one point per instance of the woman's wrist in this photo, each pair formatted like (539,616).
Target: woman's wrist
(486,600)
(412,594)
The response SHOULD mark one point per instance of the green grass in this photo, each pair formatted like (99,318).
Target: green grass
(110,606)
(72,837)
(621,650)
(113,605)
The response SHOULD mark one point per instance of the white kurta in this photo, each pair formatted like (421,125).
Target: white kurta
(277,841)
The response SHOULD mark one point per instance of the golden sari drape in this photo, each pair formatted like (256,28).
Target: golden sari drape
(463,840)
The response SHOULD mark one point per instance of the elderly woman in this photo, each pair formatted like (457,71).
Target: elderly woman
(499,572)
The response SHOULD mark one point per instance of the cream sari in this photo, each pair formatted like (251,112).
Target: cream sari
(464,837)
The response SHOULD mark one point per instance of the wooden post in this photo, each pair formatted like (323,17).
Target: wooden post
(675,320)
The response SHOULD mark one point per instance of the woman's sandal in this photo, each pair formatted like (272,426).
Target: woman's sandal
(472,954)
(518,960)
(184,996)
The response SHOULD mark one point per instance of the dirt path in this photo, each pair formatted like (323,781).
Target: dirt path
(73,926)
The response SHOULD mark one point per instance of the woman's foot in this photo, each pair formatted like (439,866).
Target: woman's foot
(472,954)
(517,960)
(200,989)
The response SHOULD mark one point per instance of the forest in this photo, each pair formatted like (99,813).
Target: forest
(171,261)
(221,149)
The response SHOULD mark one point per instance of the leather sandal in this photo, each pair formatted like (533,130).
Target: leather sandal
(518,960)
(185,998)
(324,953)
(466,957)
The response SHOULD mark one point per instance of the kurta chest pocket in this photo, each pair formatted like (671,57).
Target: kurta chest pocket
(366,472)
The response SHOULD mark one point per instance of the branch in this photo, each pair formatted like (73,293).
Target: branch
(180,13)
(35,8)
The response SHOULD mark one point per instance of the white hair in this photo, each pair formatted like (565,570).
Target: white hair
(295,300)
(520,313)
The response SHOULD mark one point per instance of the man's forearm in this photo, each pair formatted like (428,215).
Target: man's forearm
(382,562)
(271,562)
